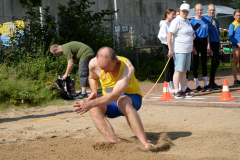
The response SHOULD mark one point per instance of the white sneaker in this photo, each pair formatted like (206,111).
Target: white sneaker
(171,90)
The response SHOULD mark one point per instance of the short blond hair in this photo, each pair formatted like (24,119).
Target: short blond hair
(210,5)
(197,6)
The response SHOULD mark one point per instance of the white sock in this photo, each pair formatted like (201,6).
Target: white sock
(196,82)
(184,88)
(179,86)
(168,84)
(176,90)
(186,83)
(205,81)
(172,85)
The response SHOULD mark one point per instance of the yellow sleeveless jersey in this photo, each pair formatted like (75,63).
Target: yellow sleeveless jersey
(108,82)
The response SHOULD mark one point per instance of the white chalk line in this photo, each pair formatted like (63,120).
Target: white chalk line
(185,98)
(182,100)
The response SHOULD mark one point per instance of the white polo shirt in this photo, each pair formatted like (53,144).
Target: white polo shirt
(182,35)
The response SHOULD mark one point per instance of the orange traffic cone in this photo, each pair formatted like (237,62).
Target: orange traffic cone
(166,95)
(225,92)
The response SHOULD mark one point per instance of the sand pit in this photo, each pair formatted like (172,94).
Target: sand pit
(58,133)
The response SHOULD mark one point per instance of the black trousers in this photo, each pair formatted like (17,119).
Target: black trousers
(168,74)
(215,60)
(200,45)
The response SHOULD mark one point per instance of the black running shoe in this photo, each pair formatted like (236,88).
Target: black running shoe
(200,89)
(214,86)
(189,90)
(237,82)
(207,88)
(81,96)
(217,86)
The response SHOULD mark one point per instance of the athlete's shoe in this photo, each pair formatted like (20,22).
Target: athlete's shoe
(171,90)
(207,88)
(188,94)
(189,90)
(179,95)
(200,89)
(214,86)
(81,96)
(237,82)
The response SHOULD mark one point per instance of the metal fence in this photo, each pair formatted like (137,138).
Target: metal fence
(140,32)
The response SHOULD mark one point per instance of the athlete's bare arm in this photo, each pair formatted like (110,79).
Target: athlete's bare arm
(118,90)
(69,68)
(94,73)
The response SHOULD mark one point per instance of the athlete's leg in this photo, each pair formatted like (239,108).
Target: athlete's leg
(126,106)
(236,57)
(166,72)
(182,79)
(102,124)
(215,61)
(197,46)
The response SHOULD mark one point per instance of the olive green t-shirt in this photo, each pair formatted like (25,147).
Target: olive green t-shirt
(77,50)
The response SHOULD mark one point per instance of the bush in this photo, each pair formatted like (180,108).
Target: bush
(17,92)
(150,62)
(78,23)
(22,91)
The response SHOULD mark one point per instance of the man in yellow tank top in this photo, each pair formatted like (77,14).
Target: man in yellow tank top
(121,94)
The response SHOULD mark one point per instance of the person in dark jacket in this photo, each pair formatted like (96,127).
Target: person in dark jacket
(234,37)
(214,38)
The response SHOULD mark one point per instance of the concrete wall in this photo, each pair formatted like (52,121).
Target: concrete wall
(10,8)
(143,15)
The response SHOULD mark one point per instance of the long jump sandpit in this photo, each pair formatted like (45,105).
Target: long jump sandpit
(197,128)
(58,133)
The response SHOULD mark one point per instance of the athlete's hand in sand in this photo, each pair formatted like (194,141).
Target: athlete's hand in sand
(92,96)
(81,107)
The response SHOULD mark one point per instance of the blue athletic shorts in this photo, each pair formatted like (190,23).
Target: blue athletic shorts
(113,111)
(182,61)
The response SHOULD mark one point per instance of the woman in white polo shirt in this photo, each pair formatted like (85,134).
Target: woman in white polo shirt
(180,43)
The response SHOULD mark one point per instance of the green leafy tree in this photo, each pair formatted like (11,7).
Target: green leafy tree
(35,32)
(35,3)
(78,23)
(236,3)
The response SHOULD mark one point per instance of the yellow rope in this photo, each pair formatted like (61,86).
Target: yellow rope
(158,79)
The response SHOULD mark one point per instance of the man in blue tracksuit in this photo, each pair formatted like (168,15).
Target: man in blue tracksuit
(214,38)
